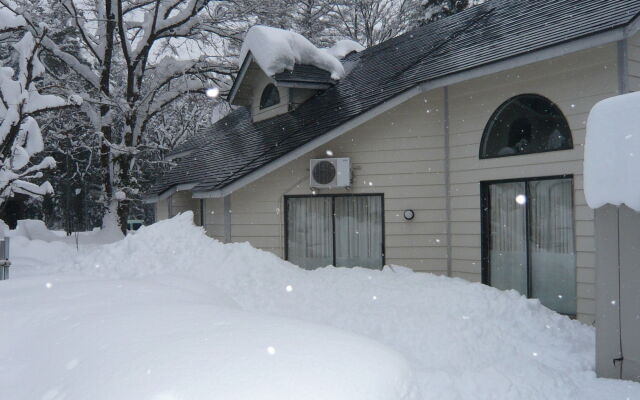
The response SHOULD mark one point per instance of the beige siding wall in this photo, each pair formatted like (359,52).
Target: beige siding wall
(260,82)
(575,83)
(400,154)
(181,202)
(633,62)
(214,218)
(162,209)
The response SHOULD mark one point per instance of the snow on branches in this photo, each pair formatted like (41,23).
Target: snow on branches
(132,60)
(20,100)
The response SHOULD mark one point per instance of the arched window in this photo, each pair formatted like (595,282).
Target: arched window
(270,96)
(525,124)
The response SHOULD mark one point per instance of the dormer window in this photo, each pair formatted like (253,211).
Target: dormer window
(270,96)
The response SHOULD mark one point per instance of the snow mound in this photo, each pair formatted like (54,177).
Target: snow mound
(169,338)
(37,230)
(464,340)
(612,152)
(344,47)
(276,50)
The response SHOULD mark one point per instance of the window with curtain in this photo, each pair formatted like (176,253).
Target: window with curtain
(346,231)
(525,124)
(529,240)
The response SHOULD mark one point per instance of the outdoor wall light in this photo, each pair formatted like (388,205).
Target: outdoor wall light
(409,215)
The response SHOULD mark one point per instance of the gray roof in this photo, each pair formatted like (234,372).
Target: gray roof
(493,31)
(305,74)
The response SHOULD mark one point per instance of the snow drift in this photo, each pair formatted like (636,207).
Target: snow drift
(463,340)
(165,338)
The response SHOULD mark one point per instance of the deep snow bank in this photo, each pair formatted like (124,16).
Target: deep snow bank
(75,337)
(464,340)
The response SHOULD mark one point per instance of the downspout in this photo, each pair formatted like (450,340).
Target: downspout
(447,180)
(227,218)
(623,87)
(203,216)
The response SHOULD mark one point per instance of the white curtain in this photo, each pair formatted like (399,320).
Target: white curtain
(553,261)
(508,241)
(359,231)
(310,231)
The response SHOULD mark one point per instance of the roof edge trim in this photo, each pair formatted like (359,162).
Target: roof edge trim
(173,156)
(302,85)
(169,192)
(239,78)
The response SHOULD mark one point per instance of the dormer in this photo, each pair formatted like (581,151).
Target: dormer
(281,70)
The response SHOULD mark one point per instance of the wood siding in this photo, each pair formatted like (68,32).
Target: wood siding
(214,218)
(181,202)
(633,63)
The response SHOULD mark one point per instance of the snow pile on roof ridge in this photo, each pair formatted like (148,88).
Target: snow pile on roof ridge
(612,152)
(276,50)
(344,47)
(464,340)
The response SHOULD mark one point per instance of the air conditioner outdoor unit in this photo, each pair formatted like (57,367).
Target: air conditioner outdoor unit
(327,173)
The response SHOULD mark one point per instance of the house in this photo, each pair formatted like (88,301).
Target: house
(463,140)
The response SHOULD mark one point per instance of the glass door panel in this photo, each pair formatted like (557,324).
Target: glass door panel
(551,247)
(508,240)
(358,231)
(310,231)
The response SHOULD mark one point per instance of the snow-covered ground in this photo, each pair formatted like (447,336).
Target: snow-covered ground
(168,313)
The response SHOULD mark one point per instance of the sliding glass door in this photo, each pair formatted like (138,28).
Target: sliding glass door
(341,230)
(528,240)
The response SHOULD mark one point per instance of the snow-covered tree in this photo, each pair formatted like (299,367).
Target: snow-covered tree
(136,59)
(20,102)
(370,22)
(437,9)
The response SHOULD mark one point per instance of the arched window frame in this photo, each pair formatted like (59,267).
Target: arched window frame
(265,96)
(496,114)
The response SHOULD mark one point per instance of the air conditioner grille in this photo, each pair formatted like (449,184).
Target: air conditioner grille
(324,172)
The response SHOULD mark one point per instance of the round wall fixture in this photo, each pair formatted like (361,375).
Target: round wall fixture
(409,215)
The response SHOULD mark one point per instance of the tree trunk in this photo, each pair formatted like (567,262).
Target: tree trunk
(123,165)
(123,215)
(106,161)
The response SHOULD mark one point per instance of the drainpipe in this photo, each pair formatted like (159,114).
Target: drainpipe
(447,180)
(227,218)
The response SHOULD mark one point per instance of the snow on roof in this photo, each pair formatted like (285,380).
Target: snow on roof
(344,47)
(276,50)
(612,152)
